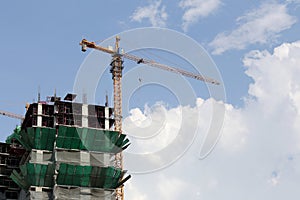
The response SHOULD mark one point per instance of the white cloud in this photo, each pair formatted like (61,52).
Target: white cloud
(196,9)
(174,186)
(136,194)
(275,75)
(155,12)
(258,26)
(151,124)
(258,154)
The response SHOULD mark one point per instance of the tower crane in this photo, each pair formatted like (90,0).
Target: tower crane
(116,70)
(12,115)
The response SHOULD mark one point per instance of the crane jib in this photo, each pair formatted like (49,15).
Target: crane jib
(84,43)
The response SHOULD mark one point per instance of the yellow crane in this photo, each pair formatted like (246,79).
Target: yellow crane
(116,70)
(12,115)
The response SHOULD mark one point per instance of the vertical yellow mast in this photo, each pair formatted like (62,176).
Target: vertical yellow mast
(116,70)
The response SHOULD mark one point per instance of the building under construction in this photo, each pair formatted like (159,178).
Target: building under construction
(63,150)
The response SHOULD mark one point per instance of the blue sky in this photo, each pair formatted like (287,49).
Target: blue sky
(253,44)
(40,40)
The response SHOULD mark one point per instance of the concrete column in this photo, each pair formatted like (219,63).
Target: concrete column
(106,114)
(85,158)
(39,114)
(85,113)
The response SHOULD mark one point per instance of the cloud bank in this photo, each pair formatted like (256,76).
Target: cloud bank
(259,26)
(257,156)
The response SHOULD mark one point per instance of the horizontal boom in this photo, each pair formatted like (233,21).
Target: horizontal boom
(86,44)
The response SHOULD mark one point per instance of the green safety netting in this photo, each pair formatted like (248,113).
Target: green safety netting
(14,135)
(34,175)
(39,138)
(89,176)
(34,137)
(91,139)
(70,138)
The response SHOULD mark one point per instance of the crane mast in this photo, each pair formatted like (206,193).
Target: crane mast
(116,70)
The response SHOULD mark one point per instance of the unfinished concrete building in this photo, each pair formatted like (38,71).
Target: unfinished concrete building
(70,151)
